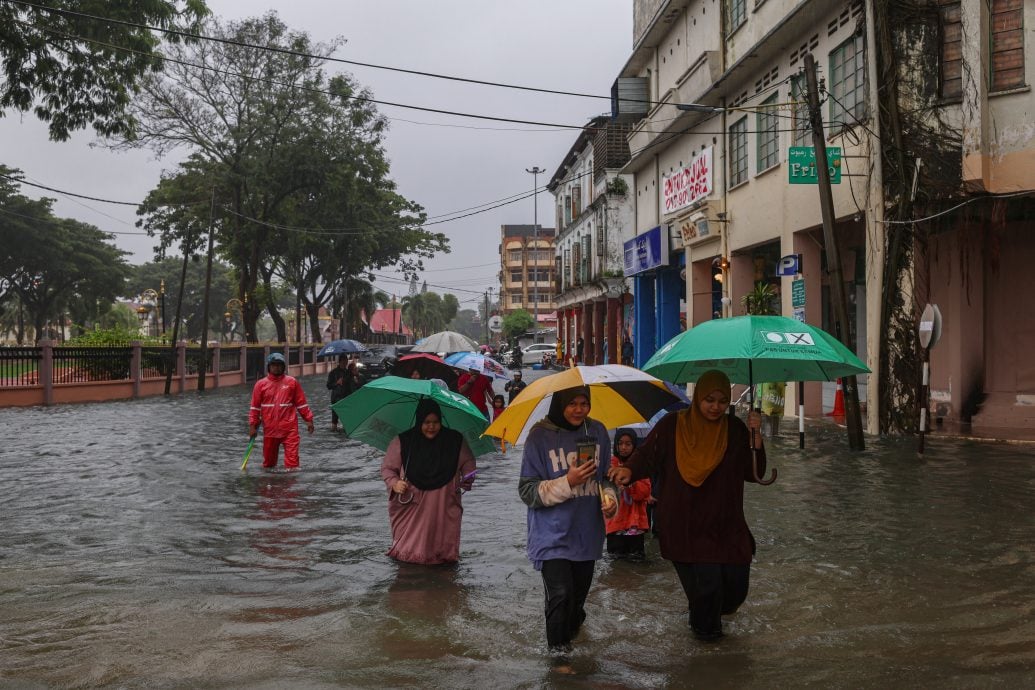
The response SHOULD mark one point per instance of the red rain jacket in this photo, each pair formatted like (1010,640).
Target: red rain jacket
(632,505)
(275,400)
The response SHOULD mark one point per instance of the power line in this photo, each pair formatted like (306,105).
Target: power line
(352,97)
(295,53)
(493,118)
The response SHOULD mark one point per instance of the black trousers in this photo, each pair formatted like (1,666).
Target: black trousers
(566,584)
(625,545)
(712,590)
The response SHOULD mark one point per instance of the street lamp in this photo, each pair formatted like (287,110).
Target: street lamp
(233,304)
(150,297)
(535,170)
(161,295)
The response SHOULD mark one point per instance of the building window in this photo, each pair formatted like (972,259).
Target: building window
(738,152)
(736,14)
(800,96)
(1007,44)
(514,255)
(768,134)
(950,77)
(515,299)
(848,82)
(516,276)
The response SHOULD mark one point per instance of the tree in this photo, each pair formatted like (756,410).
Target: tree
(65,67)
(51,264)
(517,322)
(150,276)
(286,153)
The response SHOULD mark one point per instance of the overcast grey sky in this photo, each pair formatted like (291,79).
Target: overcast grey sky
(573,45)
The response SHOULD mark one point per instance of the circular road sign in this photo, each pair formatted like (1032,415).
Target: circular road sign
(496,323)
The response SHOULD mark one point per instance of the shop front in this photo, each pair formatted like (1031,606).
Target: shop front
(658,291)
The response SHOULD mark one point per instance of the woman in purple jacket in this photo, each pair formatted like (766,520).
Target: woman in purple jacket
(565,500)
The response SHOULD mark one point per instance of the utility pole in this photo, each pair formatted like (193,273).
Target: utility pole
(486,319)
(203,364)
(535,170)
(853,416)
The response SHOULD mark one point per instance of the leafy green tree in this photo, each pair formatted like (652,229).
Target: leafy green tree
(464,322)
(119,317)
(152,275)
(286,153)
(52,264)
(63,66)
(517,322)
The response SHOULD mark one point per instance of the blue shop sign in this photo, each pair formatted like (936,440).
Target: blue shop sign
(646,251)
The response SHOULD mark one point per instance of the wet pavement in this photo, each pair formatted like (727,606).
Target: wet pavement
(135,552)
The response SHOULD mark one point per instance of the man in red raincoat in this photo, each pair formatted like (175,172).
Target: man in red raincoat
(276,399)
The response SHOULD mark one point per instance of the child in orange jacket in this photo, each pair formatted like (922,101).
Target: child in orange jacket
(626,529)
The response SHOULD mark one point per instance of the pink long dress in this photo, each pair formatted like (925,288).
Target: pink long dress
(426,528)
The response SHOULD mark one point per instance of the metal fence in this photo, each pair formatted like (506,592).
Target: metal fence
(256,364)
(85,364)
(157,362)
(194,360)
(19,366)
(229,359)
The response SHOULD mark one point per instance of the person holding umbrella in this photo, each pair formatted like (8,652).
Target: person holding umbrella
(341,381)
(425,470)
(563,484)
(702,458)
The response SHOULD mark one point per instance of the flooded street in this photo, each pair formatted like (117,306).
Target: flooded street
(135,552)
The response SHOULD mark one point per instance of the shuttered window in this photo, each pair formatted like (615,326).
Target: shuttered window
(950,78)
(1007,44)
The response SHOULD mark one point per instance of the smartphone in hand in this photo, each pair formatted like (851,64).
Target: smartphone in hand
(585,451)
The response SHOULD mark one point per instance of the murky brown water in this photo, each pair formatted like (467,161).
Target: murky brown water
(135,553)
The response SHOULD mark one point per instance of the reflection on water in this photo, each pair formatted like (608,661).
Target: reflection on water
(135,552)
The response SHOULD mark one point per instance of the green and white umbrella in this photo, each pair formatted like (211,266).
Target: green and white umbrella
(755,349)
(382,409)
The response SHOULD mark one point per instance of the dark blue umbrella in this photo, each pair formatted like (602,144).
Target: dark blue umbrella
(336,348)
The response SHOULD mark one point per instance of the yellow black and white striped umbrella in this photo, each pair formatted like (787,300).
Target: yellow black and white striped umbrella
(619,395)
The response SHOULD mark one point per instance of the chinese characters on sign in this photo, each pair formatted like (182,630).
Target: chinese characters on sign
(689,184)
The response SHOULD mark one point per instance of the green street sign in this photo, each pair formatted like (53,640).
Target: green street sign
(798,293)
(801,165)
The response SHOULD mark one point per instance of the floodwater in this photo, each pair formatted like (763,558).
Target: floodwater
(134,552)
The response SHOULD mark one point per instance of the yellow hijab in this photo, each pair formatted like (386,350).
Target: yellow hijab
(700,444)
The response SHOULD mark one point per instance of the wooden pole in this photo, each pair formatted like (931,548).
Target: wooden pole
(853,416)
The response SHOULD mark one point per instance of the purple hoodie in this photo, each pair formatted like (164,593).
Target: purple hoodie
(572,529)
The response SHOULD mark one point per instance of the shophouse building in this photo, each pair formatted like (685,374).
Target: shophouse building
(594,210)
(711,158)
(527,272)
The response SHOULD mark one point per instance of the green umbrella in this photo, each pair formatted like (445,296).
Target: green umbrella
(385,407)
(755,349)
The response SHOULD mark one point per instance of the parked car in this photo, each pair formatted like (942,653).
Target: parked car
(535,351)
(377,361)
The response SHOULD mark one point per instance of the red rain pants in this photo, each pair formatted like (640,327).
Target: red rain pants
(271,449)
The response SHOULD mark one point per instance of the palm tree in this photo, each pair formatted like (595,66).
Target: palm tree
(361,298)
